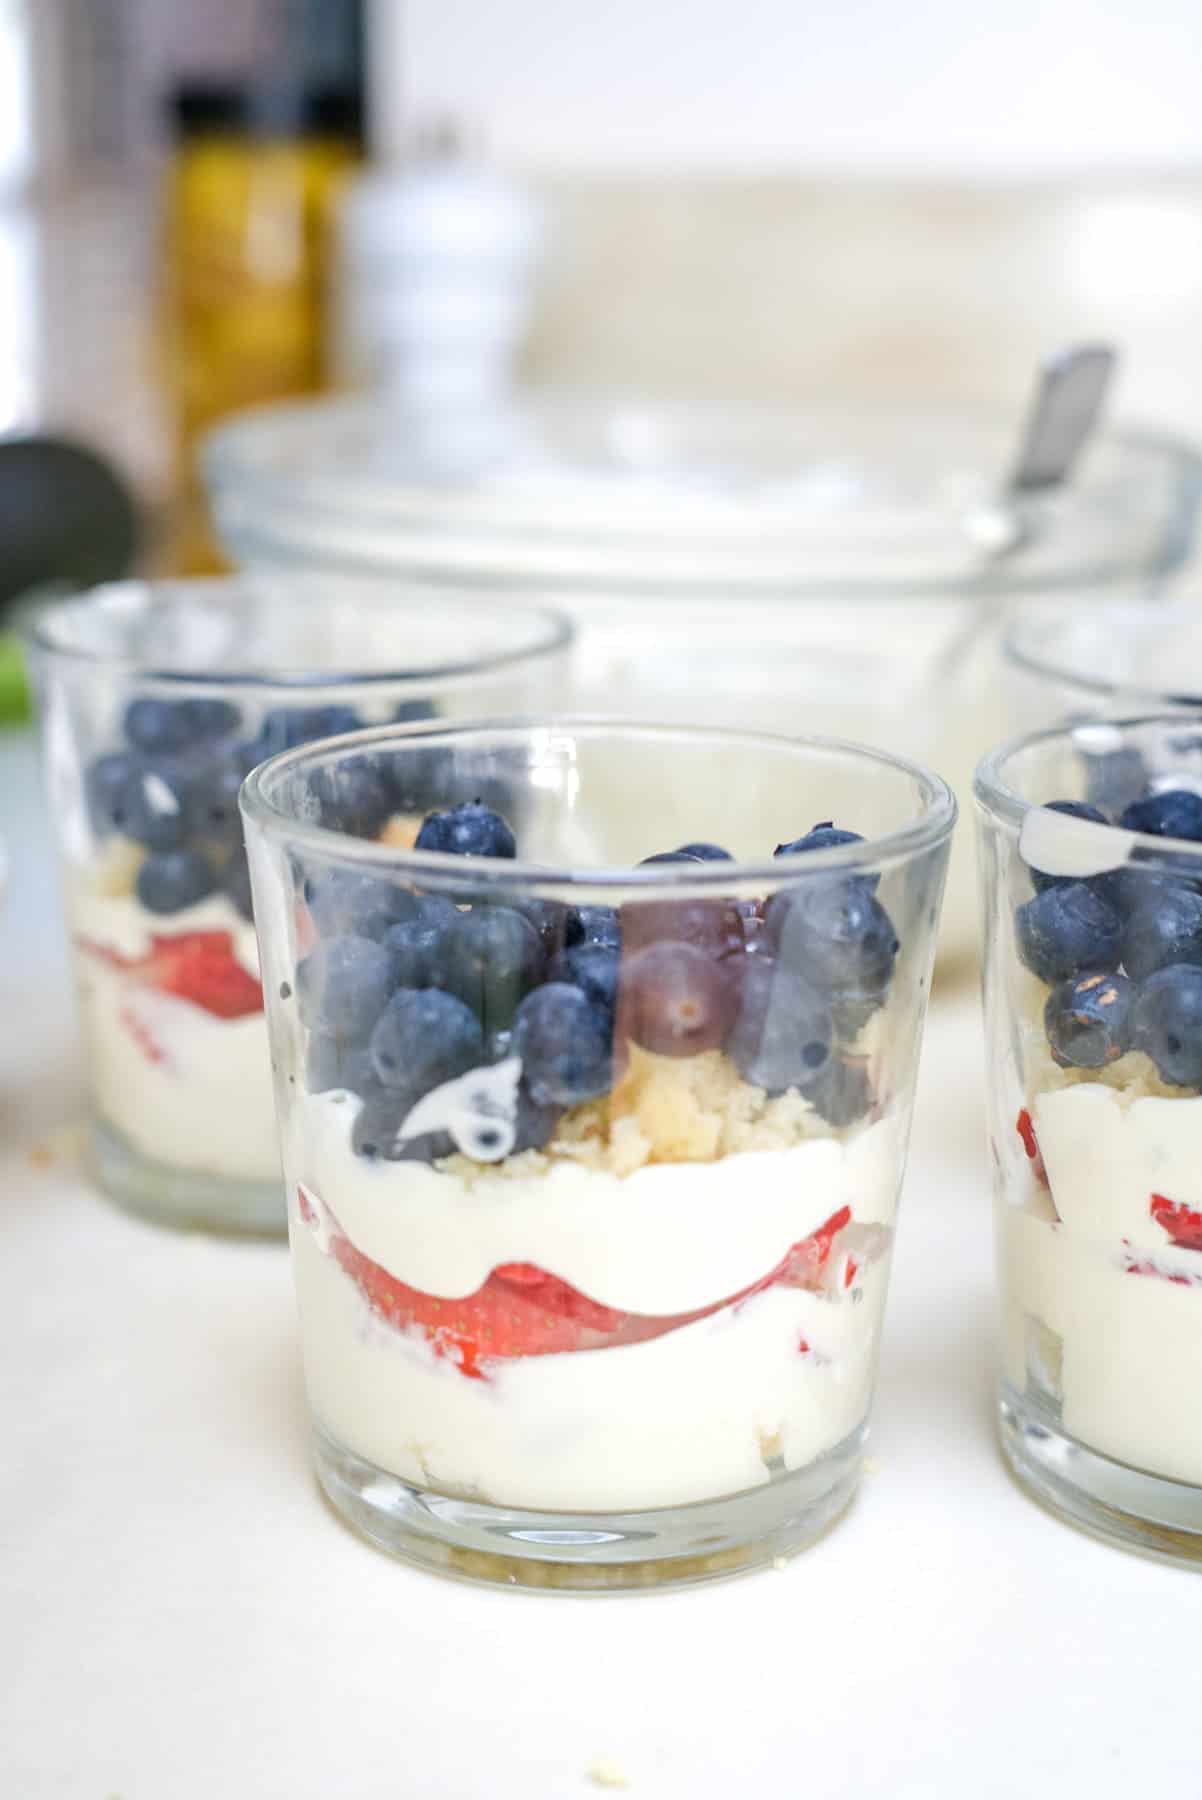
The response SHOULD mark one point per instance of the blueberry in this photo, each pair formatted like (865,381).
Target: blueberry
(211,798)
(1088,1021)
(1067,931)
(549,918)
(470,829)
(423,1038)
(1114,778)
(842,1092)
(676,1000)
(534,1124)
(565,1044)
(156,808)
(204,720)
(491,958)
(1167,1023)
(1177,813)
(352,796)
(416,943)
(592,925)
(384,1111)
(1104,885)
(838,936)
(170,880)
(706,852)
(106,789)
(351,900)
(408,712)
(344,985)
(235,882)
(336,1062)
(827,836)
(286,727)
(1138,885)
(671,856)
(1166,927)
(156,726)
(593,969)
(783,1033)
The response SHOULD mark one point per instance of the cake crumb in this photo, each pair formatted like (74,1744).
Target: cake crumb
(41,1156)
(400,831)
(604,1772)
(780,1562)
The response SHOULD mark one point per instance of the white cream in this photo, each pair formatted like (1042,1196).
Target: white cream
(181,1087)
(707,1409)
(1123,1345)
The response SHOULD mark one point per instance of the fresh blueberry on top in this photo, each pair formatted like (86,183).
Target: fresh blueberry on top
(676,1000)
(1177,813)
(374,1134)
(106,789)
(156,809)
(566,1045)
(1088,1021)
(1164,927)
(235,882)
(416,942)
(351,900)
(204,720)
(671,856)
(1104,885)
(827,836)
(782,1036)
(344,985)
(1067,931)
(842,1092)
(1167,1023)
(408,712)
(286,727)
(352,796)
(170,880)
(836,934)
(706,852)
(467,830)
(716,927)
(593,969)
(549,918)
(490,959)
(212,801)
(592,925)
(423,1038)
(156,727)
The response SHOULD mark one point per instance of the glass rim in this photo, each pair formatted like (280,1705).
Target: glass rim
(40,635)
(1003,803)
(933,824)
(1045,669)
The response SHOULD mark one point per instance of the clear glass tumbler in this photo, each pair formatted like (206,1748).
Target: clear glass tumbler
(156,700)
(1091,868)
(594,1108)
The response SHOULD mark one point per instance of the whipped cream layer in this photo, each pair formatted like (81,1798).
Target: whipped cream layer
(181,1087)
(1102,1314)
(712,1407)
(667,1239)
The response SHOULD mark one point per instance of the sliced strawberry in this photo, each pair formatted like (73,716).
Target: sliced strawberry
(1025,1127)
(521,1310)
(1183,1225)
(198,966)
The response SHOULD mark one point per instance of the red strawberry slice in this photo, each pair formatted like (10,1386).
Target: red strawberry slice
(1183,1225)
(521,1310)
(1025,1127)
(198,966)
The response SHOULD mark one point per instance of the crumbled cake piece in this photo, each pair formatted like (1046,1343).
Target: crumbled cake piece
(114,869)
(400,831)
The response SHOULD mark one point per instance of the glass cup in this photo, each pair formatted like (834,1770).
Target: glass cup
(1093,1005)
(593,1150)
(156,700)
(1103,659)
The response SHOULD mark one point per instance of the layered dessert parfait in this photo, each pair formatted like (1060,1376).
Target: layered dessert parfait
(1100,1202)
(592,1203)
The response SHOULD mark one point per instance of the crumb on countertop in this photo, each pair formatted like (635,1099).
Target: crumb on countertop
(604,1772)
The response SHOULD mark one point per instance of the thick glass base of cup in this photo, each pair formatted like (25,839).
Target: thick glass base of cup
(579,1552)
(1125,1506)
(187,1199)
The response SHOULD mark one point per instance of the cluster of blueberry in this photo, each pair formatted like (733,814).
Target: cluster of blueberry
(1122,951)
(174,790)
(404,991)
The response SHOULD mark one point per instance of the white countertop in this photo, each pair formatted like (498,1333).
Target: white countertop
(181,1617)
